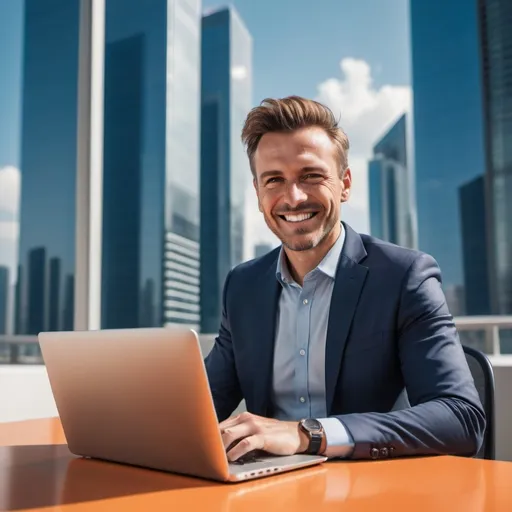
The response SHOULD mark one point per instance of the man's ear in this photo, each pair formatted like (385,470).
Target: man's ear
(346,182)
(255,185)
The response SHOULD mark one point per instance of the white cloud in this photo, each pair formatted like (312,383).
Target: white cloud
(365,112)
(9,210)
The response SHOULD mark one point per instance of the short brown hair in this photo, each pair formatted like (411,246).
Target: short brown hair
(290,114)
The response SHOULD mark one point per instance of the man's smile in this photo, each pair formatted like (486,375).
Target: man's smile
(297,217)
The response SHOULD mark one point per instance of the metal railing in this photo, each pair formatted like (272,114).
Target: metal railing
(490,334)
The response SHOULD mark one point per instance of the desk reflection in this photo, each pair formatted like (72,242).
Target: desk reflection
(36,477)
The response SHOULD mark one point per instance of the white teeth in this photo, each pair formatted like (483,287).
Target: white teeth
(298,217)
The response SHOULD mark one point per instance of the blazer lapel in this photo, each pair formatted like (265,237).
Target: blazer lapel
(266,296)
(350,278)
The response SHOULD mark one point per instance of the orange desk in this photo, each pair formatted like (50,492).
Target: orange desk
(37,472)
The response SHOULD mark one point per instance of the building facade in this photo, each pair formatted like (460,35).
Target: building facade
(474,247)
(392,205)
(225,102)
(496,40)
(151,164)
(463,134)
(48,156)
(150,201)
(448,126)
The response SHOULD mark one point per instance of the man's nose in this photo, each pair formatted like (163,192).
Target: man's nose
(295,195)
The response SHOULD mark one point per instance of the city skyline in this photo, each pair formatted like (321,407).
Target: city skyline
(152,119)
(366,83)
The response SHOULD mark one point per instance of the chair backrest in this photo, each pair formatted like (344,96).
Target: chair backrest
(483,375)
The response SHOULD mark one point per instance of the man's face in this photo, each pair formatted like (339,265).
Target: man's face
(299,188)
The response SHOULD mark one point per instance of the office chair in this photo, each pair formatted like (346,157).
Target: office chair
(483,375)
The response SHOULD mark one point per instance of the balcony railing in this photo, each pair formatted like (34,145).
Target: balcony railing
(490,334)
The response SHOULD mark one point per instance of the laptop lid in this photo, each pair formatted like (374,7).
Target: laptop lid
(136,396)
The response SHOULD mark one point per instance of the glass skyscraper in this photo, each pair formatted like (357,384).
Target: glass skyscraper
(463,137)
(150,265)
(474,247)
(448,127)
(496,33)
(225,102)
(46,272)
(392,206)
(150,213)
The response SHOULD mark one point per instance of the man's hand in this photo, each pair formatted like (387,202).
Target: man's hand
(257,433)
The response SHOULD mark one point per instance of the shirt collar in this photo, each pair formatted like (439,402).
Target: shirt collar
(327,266)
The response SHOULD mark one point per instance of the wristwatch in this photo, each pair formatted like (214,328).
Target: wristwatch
(315,432)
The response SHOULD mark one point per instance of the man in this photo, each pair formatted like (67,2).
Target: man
(322,335)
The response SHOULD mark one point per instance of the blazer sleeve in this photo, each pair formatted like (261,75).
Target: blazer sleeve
(446,415)
(220,366)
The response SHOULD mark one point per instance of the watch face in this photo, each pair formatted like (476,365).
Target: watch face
(312,424)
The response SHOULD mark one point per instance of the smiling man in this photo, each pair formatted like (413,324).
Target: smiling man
(322,336)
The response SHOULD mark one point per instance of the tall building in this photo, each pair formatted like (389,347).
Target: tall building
(474,247)
(448,124)
(226,73)
(54,295)
(150,254)
(496,36)
(4,298)
(48,147)
(463,128)
(37,291)
(150,213)
(392,205)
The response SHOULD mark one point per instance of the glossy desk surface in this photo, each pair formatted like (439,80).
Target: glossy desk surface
(37,472)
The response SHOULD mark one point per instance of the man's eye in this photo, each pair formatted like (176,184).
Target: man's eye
(313,177)
(272,181)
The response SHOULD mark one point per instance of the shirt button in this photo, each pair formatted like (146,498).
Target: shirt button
(305,301)
(302,399)
(302,352)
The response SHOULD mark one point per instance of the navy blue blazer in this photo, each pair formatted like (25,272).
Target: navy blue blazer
(389,329)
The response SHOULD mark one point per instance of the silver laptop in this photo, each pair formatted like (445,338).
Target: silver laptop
(141,397)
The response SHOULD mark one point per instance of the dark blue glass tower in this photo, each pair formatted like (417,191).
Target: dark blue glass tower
(496,33)
(48,165)
(225,173)
(474,247)
(150,254)
(448,127)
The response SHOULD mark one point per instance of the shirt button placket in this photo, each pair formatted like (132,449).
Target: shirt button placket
(303,330)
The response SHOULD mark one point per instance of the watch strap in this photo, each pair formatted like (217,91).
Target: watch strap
(315,443)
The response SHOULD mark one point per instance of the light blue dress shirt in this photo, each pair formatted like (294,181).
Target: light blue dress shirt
(299,354)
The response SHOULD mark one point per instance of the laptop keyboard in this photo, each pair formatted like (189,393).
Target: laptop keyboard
(248,458)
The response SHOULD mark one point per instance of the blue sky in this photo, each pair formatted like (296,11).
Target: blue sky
(299,43)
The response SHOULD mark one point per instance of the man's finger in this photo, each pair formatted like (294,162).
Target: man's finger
(246,445)
(232,434)
(230,422)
